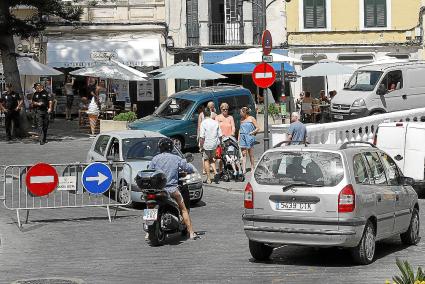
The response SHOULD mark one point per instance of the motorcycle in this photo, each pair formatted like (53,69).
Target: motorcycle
(162,215)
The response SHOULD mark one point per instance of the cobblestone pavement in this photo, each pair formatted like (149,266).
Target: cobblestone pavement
(82,244)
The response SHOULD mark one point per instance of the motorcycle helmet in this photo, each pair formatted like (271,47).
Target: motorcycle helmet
(165,145)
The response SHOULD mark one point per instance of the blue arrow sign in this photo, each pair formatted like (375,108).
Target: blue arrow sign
(97,178)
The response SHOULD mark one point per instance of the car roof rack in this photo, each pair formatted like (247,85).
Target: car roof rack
(289,143)
(228,84)
(344,146)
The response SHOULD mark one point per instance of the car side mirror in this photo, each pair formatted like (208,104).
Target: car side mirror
(407,181)
(189,157)
(382,90)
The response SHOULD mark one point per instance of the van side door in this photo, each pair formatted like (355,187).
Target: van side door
(395,98)
(385,196)
(402,197)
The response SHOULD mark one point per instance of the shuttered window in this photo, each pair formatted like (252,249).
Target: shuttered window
(314,14)
(375,13)
(192,25)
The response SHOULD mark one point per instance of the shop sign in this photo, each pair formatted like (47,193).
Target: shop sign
(103,55)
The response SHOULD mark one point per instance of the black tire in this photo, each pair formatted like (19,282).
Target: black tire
(178,142)
(364,253)
(260,251)
(226,178)
(411,236)
(241,178)
(156,235)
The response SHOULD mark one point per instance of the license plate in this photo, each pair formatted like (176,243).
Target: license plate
(338,117)
(150,214)
(295,206)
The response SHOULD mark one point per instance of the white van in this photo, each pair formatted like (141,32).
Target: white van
(380,88)
(404,142)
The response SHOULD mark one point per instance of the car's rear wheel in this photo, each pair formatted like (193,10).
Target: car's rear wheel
(260,251)
(365,251)
(411,236)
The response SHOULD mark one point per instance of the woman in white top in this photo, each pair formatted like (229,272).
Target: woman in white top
(69,93)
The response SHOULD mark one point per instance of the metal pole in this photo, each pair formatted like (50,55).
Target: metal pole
(266,120)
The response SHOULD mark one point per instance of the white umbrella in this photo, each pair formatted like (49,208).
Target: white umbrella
(255,55)
(326,68)
(111,70)
(187,71)
(29,67)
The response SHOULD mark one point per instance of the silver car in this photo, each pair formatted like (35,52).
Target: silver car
(136,148)
(348,196)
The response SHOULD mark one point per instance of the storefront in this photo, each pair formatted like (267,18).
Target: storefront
(240,74)
(142,54)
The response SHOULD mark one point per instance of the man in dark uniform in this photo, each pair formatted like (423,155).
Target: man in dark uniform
(42,103)
(10,104)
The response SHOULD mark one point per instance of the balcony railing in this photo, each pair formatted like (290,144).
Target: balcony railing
(361,129)
(225,34)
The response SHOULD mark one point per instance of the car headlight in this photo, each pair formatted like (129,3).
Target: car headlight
(359,103)
(193,178)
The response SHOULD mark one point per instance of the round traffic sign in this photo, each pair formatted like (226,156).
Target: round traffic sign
(263,75)
(41,179)
(266,42)
(97,178)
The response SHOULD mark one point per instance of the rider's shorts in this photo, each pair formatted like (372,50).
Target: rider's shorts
(172,189)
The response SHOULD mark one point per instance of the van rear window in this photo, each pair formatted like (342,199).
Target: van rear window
(285,168)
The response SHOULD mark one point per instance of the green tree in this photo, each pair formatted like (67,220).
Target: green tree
(11,26)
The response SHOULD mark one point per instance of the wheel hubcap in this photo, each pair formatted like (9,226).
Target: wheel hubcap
(415,227)
(124,195)
(370,243)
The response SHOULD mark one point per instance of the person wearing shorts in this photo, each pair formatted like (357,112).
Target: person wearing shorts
(210,135)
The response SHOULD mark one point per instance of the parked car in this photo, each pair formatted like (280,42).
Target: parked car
(381,88)
(137,148)
(404,142)
(177,117)
(346,196)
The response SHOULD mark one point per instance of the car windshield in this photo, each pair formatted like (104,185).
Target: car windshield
(298,168)
(174,108)
(142,148)
(363,81)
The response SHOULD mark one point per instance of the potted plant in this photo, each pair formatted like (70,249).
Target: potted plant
(119,122)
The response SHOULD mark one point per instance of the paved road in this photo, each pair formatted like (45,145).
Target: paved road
(82,244)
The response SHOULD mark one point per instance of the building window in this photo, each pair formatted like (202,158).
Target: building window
(192,26)
(355,57)
(314,14)
(375,13)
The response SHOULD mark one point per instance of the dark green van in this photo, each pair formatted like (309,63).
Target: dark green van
(177,116)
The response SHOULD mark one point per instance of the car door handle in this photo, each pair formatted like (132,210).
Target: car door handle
(398,157)
(404,97)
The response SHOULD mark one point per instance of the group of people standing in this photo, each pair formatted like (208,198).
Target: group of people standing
(12,103)
(212,128)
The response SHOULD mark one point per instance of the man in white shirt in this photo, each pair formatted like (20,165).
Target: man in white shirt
(210,135)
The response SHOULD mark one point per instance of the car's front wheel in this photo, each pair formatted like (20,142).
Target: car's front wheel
(260,251)
(411,236)
(365,251)
(124,195)
(178,142)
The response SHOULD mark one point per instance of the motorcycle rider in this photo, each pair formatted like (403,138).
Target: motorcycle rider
(170,164)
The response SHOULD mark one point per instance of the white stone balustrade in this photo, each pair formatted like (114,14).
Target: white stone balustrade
(361,129)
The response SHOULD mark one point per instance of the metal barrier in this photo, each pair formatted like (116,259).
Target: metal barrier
(16,195)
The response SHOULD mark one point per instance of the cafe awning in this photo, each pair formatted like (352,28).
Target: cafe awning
(85,53)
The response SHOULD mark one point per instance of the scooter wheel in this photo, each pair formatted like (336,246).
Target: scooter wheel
(226,178)
(156,235)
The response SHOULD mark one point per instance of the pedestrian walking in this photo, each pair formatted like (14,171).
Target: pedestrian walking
(248,130)
(68,89)
(211,106)
(11,103)
(227,126)
(43,104)
(210,135)
(297,132)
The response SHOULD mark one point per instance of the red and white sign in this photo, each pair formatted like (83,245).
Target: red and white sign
(41,179)
(266,42)
(263,75)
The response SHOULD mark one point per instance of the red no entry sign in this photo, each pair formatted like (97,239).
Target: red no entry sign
(266,42)
(263,75)
(41,179)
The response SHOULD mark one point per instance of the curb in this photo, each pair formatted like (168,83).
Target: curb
(228,189)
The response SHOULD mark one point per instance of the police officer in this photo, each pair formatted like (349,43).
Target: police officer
(10,104)
(42,103)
